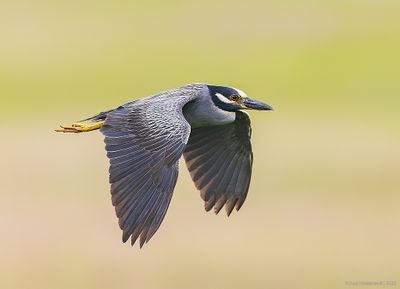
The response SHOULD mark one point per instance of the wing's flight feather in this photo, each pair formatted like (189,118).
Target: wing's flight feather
(144,141)
(219,159)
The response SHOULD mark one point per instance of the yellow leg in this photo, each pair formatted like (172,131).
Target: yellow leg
(80,127)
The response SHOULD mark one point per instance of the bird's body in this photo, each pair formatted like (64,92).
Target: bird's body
(146,138)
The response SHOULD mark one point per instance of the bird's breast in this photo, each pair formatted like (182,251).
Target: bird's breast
(200,114)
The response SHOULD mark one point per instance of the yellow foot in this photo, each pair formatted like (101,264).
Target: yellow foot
(80,127)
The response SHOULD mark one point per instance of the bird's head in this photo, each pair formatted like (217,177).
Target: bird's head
(232,99)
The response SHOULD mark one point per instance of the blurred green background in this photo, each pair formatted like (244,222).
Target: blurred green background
(323,207)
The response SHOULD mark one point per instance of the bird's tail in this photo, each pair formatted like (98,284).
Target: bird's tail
(98,117)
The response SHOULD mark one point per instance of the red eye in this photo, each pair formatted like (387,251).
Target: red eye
(235,97)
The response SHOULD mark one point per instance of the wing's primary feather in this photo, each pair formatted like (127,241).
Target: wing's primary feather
(219,159)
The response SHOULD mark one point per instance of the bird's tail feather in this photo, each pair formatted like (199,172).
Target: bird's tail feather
(98,117)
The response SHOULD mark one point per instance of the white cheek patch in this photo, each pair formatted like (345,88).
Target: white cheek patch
(223,98)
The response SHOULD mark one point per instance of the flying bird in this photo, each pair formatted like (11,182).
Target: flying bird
(145,139)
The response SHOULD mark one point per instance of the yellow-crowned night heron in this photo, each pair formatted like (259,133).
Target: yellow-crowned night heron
(145,139)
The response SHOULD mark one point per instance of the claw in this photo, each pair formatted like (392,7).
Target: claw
(80,127)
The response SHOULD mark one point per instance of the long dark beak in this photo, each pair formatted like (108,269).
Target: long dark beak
(255,104)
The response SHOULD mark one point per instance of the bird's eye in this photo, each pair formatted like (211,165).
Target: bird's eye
(234,97)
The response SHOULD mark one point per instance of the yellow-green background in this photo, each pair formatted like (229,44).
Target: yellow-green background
(323,207)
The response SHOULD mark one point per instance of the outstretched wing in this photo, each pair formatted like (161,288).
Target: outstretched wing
(219,159)
(144,141)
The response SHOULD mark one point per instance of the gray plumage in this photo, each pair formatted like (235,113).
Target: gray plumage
(146,138)
(219,159)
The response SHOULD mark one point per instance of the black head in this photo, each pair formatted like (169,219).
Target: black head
(232,99)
